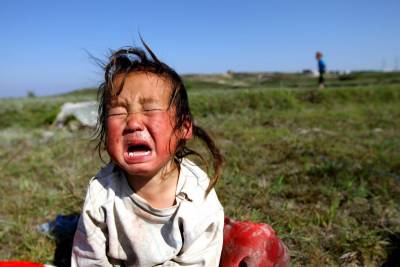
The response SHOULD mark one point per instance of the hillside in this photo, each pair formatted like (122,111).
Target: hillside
(321,166)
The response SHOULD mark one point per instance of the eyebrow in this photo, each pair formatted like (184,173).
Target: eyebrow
(116,101)
(149,100)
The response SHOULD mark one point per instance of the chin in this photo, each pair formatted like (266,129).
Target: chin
(143,169)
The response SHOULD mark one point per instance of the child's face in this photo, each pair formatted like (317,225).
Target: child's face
(140,134)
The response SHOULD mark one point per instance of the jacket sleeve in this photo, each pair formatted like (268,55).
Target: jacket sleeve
(202,243)
(89,246)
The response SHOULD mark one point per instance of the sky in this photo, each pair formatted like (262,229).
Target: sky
(45,45)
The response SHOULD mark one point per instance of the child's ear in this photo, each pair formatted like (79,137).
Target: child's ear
(187,130)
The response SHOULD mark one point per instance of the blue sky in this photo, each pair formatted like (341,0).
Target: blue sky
(43,43)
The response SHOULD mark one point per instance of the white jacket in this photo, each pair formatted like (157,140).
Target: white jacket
(119,228)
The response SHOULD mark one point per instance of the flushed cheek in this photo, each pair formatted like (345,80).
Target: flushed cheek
(166,145)
(113,149)
(114,139)
(164,136)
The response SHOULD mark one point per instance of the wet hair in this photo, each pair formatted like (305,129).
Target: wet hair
(134,59)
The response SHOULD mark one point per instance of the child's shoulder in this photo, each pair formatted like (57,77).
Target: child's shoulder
(105,175)
(197,210)
(194,183)
(194,174)
(104,182)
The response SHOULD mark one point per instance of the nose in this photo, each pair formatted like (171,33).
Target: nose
(134,122)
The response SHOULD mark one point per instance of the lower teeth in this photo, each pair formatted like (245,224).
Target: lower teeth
(132,154)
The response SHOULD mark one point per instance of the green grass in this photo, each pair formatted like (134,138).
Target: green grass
(322,167)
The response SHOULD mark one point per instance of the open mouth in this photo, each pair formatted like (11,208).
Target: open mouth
(138,150)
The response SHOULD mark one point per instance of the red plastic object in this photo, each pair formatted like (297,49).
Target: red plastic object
(252,245)
(20,264)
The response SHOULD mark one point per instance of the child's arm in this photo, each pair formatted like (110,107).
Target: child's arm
(203,241)
(89,247)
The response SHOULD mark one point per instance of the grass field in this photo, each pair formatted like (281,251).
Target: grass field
(321,166)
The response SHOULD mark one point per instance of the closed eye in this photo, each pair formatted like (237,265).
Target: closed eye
(117,111)
(153,109)
(117,114)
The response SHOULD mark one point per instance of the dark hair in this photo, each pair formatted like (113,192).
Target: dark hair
(133,59)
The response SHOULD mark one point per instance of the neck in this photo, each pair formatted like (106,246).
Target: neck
(159,191)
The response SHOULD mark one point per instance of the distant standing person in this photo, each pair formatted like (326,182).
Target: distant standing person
(321,69)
